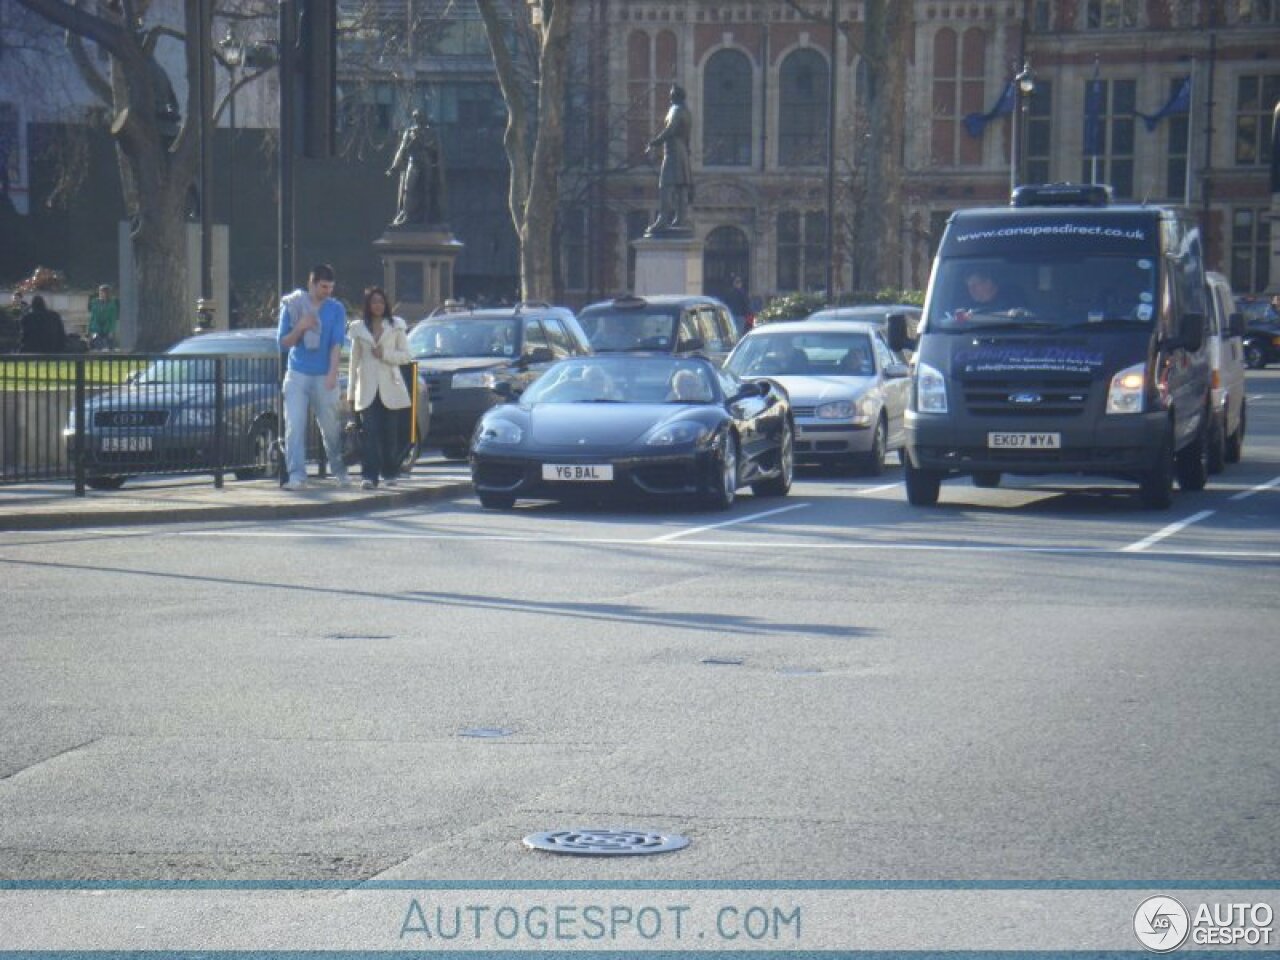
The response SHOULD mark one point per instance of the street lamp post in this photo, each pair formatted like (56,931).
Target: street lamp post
(233,56)
(204,93)
(1024,86)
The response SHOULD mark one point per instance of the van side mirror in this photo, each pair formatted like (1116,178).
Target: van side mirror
(539,355)
(1191,331)
(503,389)
(899,338)
(1235,325)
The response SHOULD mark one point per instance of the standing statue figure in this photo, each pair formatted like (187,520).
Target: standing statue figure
(420,161)
(675,175)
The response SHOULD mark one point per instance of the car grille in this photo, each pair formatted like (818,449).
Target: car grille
(1053,398)
(130,418)
(665,476)
(803,411)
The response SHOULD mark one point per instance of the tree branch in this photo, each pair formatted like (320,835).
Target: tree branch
(101,31)
(90,74)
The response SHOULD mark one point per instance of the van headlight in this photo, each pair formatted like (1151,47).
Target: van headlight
(931,389)
(474,380)
(1128,387)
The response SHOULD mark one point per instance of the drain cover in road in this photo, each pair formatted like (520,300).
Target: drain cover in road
(612,842)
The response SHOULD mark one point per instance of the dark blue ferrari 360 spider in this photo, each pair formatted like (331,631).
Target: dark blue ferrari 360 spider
(658,426)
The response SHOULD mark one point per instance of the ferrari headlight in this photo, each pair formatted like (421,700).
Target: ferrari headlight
(676,434)
(475,380)
(1127,389)
(500,431)
(193,417)
(836,410)
(931,389)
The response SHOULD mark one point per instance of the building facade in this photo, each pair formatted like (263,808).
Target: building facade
(1206,73)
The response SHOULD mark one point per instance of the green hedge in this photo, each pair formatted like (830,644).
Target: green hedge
(796,306)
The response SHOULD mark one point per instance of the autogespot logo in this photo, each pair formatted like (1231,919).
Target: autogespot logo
(1161,924)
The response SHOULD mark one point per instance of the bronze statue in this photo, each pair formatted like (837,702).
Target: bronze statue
(675,175)
(420,160)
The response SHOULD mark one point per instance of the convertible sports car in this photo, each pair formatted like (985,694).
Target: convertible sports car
(652,425)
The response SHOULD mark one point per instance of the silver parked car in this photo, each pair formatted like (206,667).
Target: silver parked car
(848,389)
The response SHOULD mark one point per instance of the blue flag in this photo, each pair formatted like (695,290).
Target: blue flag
(976,123)
(1093,103)
(1180,102)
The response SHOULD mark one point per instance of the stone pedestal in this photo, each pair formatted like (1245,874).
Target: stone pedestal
(668,263)
(417,268)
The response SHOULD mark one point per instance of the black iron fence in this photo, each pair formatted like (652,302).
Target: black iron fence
(99,419)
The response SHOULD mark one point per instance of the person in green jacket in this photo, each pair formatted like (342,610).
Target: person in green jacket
(104,315)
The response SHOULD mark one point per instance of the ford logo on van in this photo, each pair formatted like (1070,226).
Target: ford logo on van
(1025,398)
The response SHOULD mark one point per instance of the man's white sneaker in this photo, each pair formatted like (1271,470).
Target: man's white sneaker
(343,480)
(296,485)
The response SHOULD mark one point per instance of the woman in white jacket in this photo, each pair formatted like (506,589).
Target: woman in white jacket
(375,388)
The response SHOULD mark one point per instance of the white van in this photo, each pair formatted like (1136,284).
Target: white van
(1226,356)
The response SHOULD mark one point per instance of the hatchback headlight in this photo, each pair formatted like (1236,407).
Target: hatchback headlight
(193,417)
(931,389)
(500,431)
(677,433)
(474,380)
(1128,387)
(836,410)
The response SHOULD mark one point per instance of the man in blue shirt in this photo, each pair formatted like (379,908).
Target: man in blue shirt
(313,326)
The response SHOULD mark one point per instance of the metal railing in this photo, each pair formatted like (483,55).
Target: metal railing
(99,419)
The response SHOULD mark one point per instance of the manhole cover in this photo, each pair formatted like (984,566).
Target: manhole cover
(485,732)
(612,842)
(723,661)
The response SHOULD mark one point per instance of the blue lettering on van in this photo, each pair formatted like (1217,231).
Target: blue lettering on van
(1019,357)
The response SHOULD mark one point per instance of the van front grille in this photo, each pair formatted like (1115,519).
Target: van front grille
(1026,398)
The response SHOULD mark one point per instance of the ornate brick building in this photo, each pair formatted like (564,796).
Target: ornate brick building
(758,75)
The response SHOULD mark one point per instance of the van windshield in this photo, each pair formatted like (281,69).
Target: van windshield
(975,293)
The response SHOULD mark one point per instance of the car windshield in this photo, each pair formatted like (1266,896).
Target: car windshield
(625,380)
(612,329)
(246,361)
(1043,294)
(469,337)
(803,354)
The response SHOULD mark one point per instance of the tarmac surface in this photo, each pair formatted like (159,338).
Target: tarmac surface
(193,498)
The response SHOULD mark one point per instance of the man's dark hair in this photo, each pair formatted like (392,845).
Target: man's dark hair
(322,271)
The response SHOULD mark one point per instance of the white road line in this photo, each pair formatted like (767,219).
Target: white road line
(668,537)
(1246,494)
(1168,531)
(862,491)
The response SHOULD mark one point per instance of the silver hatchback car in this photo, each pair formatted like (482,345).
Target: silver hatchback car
(848,389)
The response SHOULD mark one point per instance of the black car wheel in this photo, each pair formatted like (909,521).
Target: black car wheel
(497,501)
(1156,485)
(1235,442)
(725,479)
(874,462)
(105,483)
(262,444)
(1255,358)
(1193,459)
(780,485)
(923,486)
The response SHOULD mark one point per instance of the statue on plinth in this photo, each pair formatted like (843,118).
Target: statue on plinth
(420,161)
(675,175)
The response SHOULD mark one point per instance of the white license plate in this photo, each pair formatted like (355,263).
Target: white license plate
(126,444)
(1024,441)
(598,472)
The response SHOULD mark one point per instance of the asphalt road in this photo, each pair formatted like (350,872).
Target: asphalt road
(1035,682)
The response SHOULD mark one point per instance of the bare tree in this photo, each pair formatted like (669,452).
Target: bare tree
(533,86)
(156,139)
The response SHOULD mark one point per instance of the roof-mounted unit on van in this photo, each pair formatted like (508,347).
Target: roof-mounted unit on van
(1062,195)
(629,301)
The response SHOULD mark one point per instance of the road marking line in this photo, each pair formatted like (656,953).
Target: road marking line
(1246,494)
(862,491)
(668,537)
(1168,531)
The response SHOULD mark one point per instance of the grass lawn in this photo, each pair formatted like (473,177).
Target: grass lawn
(19,374)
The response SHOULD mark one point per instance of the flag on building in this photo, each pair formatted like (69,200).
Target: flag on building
(1094,96)
(1179,102)
(976,123)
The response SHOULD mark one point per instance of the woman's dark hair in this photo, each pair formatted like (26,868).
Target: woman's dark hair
(369,294)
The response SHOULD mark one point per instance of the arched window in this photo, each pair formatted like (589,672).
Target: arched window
(727,254)
(802,110)
(726,110)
